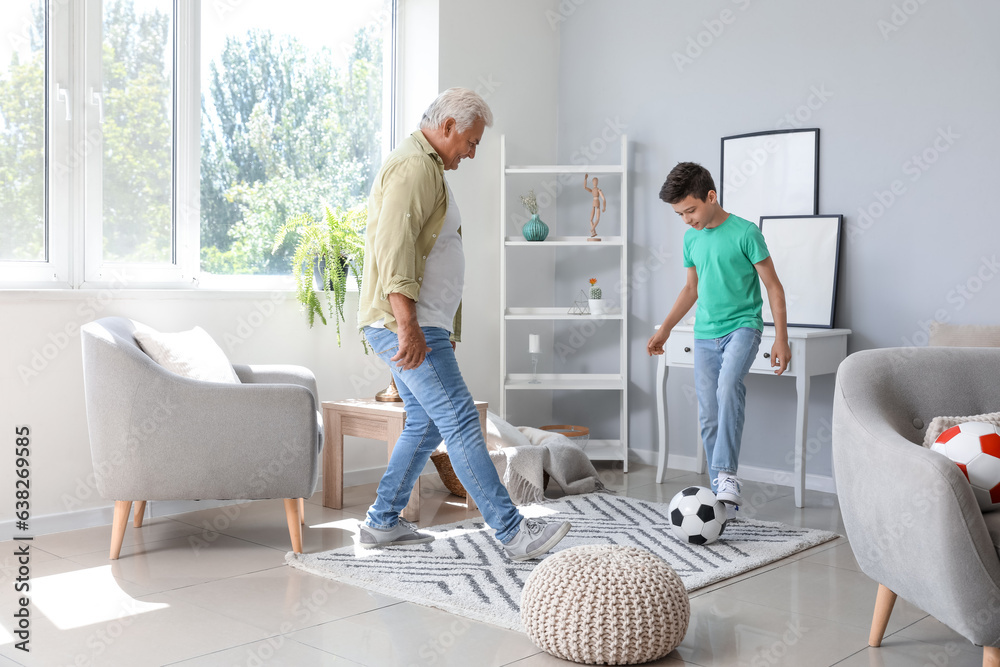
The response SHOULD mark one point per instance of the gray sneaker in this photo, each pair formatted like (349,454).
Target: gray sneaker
(534,538)
(402,533)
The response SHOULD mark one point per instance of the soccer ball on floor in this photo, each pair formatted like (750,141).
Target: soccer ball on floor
(975,447)
(696,516)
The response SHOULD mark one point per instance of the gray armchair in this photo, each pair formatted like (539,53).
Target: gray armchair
(910,514)
(155,435)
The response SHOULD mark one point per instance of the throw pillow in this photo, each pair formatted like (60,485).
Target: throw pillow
(500,434)
(939,425)
(192,354)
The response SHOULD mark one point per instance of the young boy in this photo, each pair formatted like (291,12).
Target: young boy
(724,255)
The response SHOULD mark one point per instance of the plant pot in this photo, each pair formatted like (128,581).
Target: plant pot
(596,306)
(535,229)
(319,270)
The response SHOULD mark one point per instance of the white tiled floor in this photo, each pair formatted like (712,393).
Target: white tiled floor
(211,588)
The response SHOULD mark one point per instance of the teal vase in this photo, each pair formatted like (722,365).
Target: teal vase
(535,229)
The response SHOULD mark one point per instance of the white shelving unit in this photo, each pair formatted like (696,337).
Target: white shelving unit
(597,449)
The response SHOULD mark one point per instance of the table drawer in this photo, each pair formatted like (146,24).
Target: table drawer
(680,349)
(762,363)
(680,352)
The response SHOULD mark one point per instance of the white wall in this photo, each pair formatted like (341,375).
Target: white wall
(508,52)
(882,85)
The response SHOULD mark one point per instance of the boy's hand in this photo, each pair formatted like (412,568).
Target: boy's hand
(656,341)
(781,354)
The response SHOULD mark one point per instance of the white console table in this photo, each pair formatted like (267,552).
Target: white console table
(814,352)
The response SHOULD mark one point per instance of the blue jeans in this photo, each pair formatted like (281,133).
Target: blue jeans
(437,404)
(720,364)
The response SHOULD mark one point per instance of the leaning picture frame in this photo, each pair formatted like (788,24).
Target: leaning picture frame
(770,173)
(806,252)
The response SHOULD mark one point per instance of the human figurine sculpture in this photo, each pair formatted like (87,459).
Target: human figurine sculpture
(600,204)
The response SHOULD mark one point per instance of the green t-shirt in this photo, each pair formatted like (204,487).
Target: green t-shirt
(728,285)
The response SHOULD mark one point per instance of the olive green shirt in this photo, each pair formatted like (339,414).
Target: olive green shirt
(406,211)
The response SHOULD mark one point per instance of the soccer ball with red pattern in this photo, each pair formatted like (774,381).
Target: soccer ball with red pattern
(975,447)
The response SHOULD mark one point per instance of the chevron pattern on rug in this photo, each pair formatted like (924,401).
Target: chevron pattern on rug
(465,571)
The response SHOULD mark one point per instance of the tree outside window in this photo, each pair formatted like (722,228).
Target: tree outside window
(22,133)
(287,128)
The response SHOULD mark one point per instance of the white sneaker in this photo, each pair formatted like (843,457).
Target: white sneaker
(402,533)
(729,488)
(535,538)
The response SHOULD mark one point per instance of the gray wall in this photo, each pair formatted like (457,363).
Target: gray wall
(509,53)
(884,86)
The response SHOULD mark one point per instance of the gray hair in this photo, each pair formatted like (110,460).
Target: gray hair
(464,105)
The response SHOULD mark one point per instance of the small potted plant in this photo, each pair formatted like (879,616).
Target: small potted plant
(534,229)
(328,249)
(595,302)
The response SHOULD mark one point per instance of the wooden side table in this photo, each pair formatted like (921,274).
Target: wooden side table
(368,418)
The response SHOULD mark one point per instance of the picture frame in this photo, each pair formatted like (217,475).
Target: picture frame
(770,173)
(806,254)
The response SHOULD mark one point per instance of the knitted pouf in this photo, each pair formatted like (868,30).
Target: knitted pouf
(605,604)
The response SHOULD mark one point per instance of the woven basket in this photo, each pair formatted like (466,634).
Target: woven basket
(447,473)
(605,605)
(450,479)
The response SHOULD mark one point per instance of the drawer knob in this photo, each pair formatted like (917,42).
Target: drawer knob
(687,349)
(767,355)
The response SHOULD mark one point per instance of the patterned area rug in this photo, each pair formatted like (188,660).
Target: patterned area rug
(466,572)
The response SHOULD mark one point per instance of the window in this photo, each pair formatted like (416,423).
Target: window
(291,121)
(171,139)
(133,113)
(22,132)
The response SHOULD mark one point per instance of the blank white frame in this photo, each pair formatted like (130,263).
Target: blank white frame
(806,252)
(770,173)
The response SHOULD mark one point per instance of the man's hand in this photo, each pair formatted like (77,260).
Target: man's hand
(656,341)
(781,354)
(412,347)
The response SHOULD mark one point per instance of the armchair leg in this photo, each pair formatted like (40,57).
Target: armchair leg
(302,511)
(140,509)
(991,656)
(122,509)
(884,601)
(294,523)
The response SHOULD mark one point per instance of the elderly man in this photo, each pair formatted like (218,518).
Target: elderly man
(410,312)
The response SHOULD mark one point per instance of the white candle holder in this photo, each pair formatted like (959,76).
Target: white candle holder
(534,349)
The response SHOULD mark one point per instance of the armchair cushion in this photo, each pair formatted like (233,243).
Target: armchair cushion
(191,354)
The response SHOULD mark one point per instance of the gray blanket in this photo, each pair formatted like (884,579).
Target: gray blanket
(522,454)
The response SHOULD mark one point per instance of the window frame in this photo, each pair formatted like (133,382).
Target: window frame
(54,269)
(390,86)
(74,155)
(179,271)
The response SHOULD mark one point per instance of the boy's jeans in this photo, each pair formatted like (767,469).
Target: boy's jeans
(437,404)
(720,364)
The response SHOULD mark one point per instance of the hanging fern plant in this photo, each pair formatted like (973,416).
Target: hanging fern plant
(326,252)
